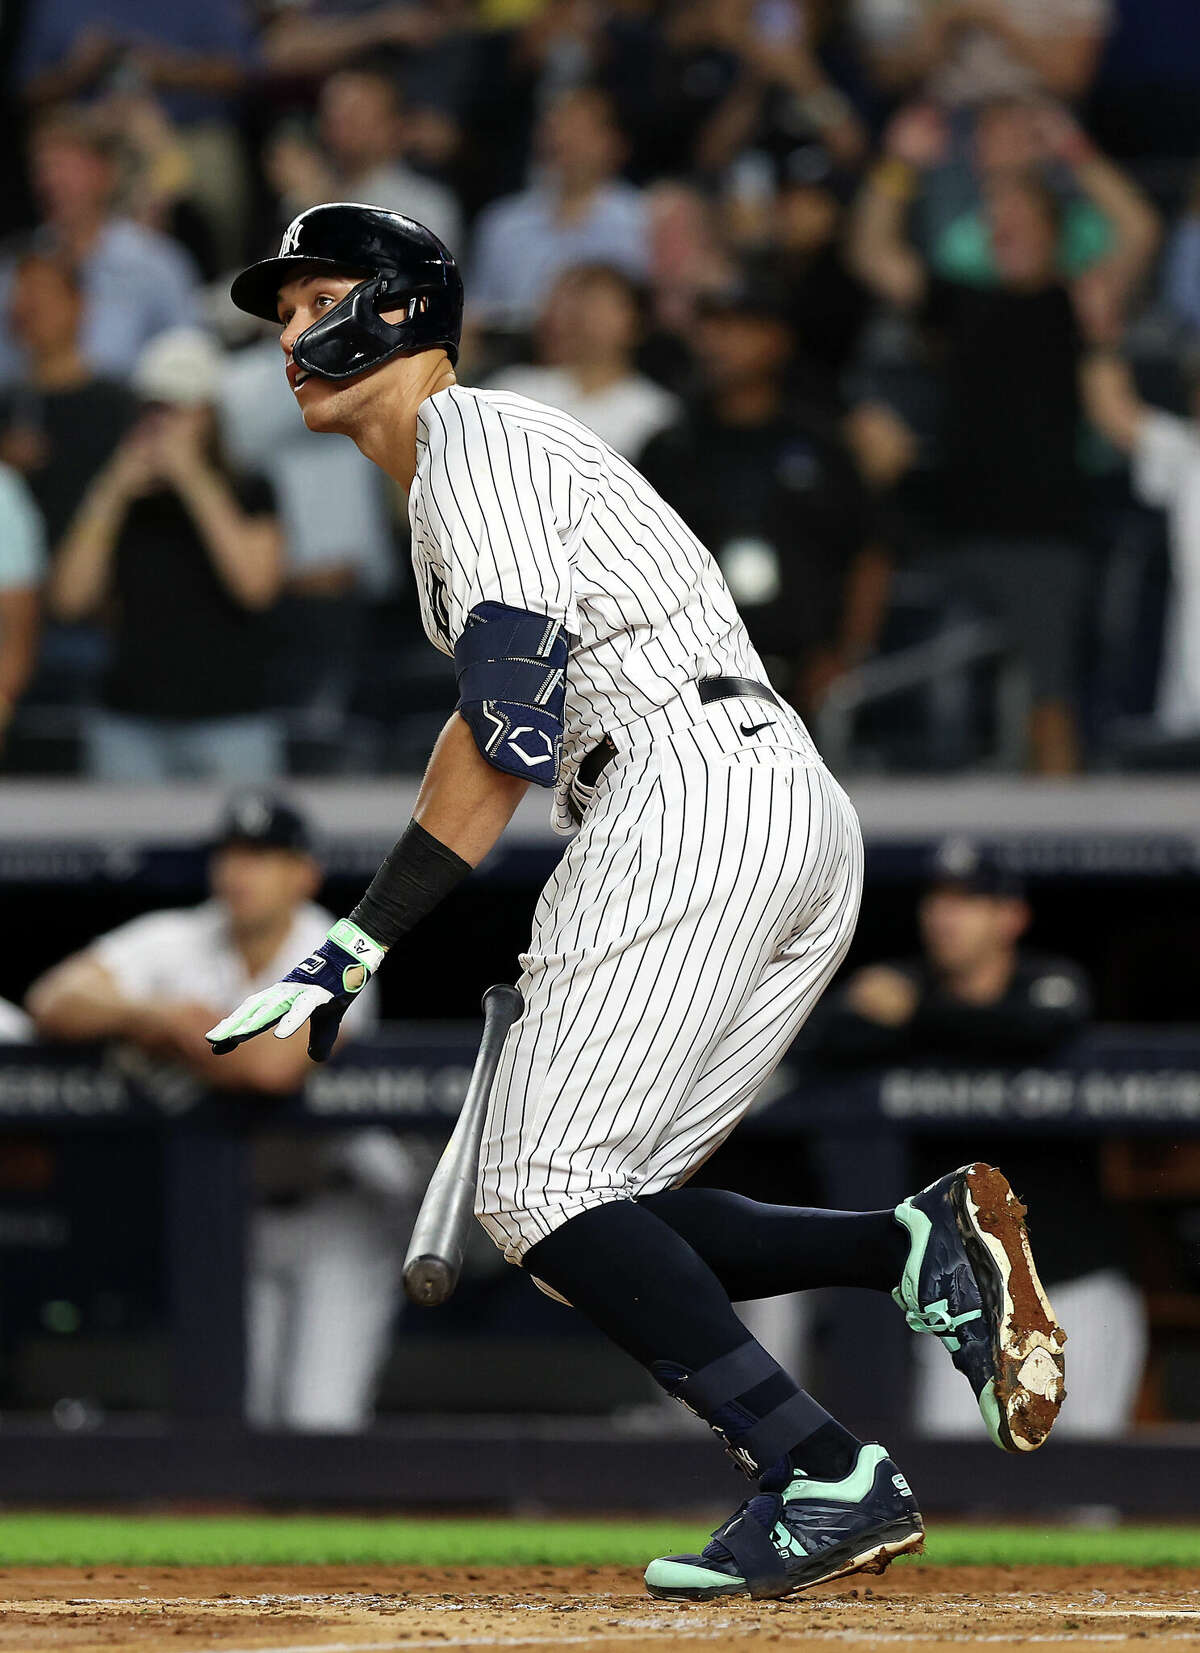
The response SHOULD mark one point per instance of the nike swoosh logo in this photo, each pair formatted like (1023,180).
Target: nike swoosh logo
(755,728)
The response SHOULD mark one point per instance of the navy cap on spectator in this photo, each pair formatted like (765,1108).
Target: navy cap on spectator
(263,820)
(972,867)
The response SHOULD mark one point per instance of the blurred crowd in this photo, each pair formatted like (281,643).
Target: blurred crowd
(896,301)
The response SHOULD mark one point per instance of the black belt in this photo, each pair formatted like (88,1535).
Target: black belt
(733,688)
(710,689)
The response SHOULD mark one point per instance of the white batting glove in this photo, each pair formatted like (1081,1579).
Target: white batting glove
(318,991)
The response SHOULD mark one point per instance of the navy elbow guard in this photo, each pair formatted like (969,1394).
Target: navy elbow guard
(512,684)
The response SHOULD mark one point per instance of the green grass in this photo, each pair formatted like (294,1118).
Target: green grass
(263,1540)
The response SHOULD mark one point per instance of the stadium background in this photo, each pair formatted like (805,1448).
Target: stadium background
(788,251)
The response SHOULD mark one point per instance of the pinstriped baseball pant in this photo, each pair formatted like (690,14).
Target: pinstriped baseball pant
(685,936)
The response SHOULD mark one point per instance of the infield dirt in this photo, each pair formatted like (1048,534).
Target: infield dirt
(357,1609)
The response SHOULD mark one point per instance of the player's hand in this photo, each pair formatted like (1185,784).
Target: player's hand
(318,991)
(883,995)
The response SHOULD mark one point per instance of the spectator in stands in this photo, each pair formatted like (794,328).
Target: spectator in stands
(690,257)
(773,492)
(361,156)
(313,38)
(190,560)
(724,76)
(777,94)
(22,566)
(793,238)
(587,338)
(135,282)
(159,187)
(326,1243)
(1165,451)
(1181,267)
(966,51)
(194,58)
(974,996)
(59,426)
(62,422)
(1014,496)
(578,211)
(337,534)
(953,169)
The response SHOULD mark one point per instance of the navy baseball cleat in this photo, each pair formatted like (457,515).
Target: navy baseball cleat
(805,1534)
(970,1280)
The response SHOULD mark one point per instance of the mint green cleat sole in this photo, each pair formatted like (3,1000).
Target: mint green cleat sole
(671,1580)
(805,1534)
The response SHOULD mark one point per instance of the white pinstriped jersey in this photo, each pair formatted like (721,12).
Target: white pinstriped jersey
(517,503)
(712,888)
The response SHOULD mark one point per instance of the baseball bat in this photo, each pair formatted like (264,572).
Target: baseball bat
(439,1236)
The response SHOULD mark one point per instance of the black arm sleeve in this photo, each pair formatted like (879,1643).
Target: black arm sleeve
(419,872)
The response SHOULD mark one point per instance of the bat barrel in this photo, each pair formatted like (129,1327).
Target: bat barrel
(439,1236)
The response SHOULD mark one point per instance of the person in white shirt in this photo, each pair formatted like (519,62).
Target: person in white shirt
(587,336)
(331,1219)
(1165,455)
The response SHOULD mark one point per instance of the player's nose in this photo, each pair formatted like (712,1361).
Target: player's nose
(291,333)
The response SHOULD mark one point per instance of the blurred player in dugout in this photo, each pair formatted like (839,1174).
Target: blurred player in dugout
(974,996)
(332,1211)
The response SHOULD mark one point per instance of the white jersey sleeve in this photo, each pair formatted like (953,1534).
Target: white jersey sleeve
(485,525)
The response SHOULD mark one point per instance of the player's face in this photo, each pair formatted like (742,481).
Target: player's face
(260,886)
(325,405)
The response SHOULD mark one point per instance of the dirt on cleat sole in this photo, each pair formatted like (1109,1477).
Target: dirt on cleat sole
(874,1555)
(1028,1341)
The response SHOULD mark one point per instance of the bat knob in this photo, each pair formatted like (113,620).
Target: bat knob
(429,1281)
(505,999)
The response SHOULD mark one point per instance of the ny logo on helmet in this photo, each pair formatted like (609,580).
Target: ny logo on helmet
(291,238)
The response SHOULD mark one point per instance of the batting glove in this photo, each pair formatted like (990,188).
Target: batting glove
(318,991)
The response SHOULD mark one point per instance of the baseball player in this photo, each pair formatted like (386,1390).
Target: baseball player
(706,899)
(326,1238)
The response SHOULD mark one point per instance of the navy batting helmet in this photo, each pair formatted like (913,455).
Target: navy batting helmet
(403,267)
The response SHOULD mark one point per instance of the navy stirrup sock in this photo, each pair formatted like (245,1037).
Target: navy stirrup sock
(760,1250)
(641,1283)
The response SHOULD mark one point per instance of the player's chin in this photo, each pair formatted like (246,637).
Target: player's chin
(322,404)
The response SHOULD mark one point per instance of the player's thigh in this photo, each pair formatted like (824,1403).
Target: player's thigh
(663,925)
(756,1040)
